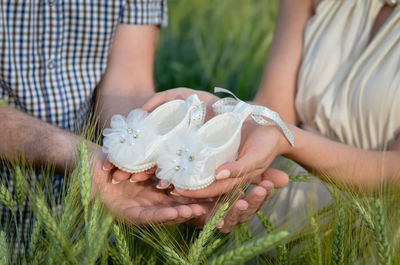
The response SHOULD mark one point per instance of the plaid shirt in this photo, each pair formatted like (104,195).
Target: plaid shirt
(53,54)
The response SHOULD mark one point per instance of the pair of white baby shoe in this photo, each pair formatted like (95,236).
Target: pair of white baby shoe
(174,137)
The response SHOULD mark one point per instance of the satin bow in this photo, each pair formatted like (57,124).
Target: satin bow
(259,113)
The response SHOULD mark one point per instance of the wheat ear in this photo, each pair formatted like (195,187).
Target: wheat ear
(197,247)
(52,228)
(249,249)
(3,249)
(121,244)
(85,178)
(338,238)
(211,247)
(98,241)
(281,249)
(21,187)
(316,251)
(265,222)
(174,257)
(33,244)
(6,197)
(380,235)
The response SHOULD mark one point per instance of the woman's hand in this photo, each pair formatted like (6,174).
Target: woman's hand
(259,147)
(181,93)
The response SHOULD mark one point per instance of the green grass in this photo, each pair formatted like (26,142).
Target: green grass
(208,43)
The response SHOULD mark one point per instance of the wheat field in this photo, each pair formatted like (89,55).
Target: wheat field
(208,43)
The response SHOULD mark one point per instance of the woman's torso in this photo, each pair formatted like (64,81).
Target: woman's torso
(348,86)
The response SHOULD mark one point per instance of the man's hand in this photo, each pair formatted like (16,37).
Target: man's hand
(140,203)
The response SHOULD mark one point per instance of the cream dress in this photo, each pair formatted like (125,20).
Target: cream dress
(348,90)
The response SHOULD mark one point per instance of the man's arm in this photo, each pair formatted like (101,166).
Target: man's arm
(37,141)
(128,80)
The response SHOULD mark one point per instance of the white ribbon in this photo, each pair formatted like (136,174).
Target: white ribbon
(259,112)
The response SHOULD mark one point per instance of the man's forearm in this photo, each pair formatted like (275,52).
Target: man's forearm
(38,142)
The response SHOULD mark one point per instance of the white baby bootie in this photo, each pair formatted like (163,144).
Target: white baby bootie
(192,157)
(133,143)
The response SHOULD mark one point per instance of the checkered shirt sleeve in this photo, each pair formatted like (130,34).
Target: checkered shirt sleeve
(145,12)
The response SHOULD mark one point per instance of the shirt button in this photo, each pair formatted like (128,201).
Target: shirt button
(51,65)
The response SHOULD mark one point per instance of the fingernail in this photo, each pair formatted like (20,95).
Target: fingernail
(175,194)
(113,181)
(106,168)
(223,174)
(132,180)
(220,224)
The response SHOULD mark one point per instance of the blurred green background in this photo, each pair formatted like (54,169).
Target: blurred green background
(212,43)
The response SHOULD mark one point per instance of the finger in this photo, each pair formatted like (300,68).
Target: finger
(184,211)
(138,177)
(107,166)
(119,176)
(154,102)
(151,171)
(232,218)
(197,209)
(255,198)
(217,188)
(153,215)
(208,208)
(245,165)
(279,178)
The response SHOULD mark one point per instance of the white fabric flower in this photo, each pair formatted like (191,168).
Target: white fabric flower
(127,139)
(185,163)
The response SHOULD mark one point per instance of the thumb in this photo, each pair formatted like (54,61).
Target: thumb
(245,165)
(279,178)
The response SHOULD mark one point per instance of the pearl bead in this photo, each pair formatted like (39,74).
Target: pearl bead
(130,130)
(135,135)
(179,152)
(191,158)
(177,168)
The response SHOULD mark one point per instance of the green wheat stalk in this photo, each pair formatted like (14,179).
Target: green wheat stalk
(174,257)
(94,218)
(197,247)
(85,178)
(268,227)
(52,228)
(338,238)
(299,178)
(249,249)
(6,197)
(380,235)
(281,249)
(34,238)
(316,251)
(21,187)
(121,244)
(211,247)
(99,240)
(3,249)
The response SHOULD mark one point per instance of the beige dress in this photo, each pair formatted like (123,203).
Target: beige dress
(348,91)
(348,87)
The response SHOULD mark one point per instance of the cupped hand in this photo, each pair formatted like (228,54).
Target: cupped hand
(140,203)
(181,93)
(259,147)
(244,208)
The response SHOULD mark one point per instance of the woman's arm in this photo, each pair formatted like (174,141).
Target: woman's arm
(278,85)
(344,164)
